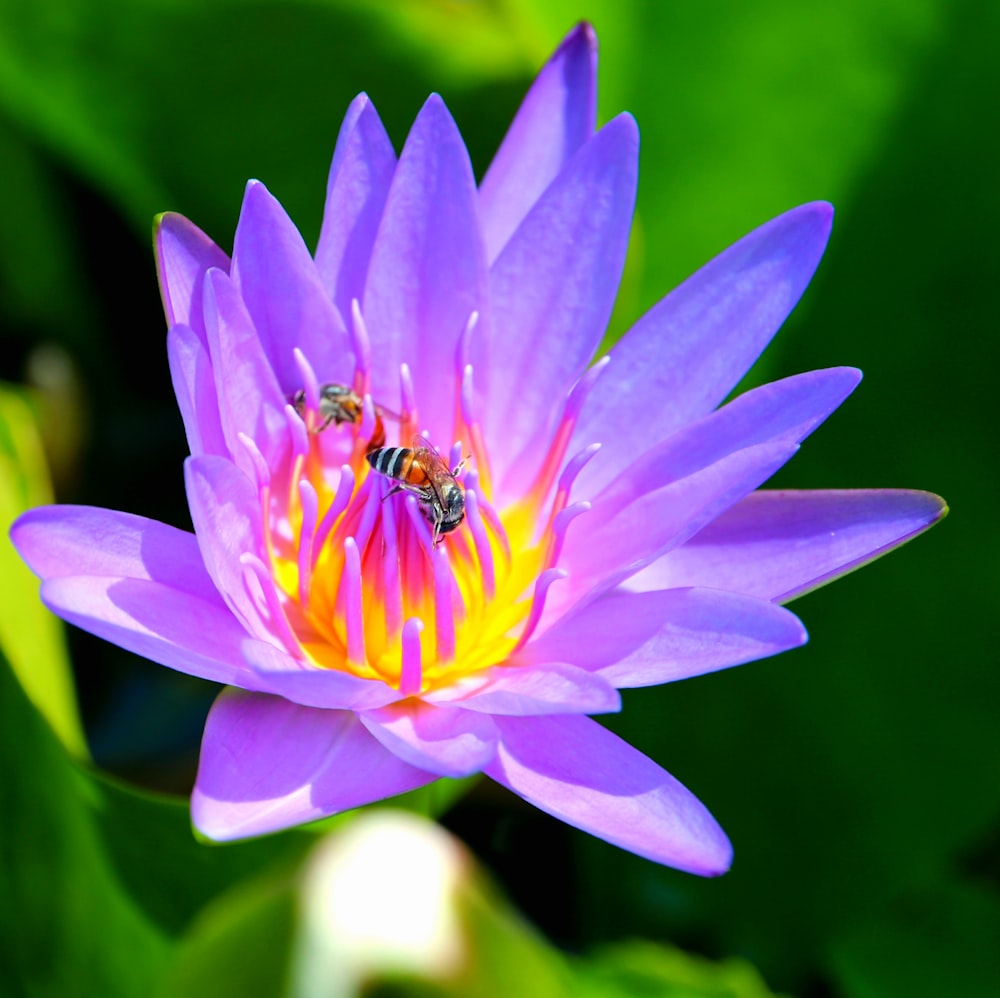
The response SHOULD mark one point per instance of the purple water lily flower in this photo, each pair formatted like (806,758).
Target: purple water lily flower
(611,534)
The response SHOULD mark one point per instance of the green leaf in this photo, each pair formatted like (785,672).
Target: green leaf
(940,940)
(171,104)
(97,879)
(30,636)
(646,970)
(67,925)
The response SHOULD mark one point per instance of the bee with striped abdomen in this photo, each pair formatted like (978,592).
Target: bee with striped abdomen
(421,471)
(339,404)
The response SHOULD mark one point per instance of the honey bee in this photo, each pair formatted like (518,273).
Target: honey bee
(421,471)
(339,404)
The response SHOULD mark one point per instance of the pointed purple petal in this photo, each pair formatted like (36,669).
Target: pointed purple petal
(277,279)
(427,273)
(137,582)
(183,255)
(444,740)
(193,635)
(363,164)
(59,541)
(601,555)
(250,400)
(556,117)
(785,411)
(267,764)
(549,688)
(688,352)
(642,639)
(311,686)
(778,545)
(225,511)
(194,386)
(552,291)
(581,773)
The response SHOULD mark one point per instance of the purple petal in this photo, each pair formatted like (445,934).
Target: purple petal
(444,740)
(581,773)
(60,541)
(277,278)
(427,272)
(778,545)
(552,291)
(783,411)
(225,510)
(363,164)
(689,351)
(194,386)
(250,399)
(550,688)
(600,556)
(198,636)
(556,117)
(133,581)
(642,639)
(310,685)
(183,256)
(267,764)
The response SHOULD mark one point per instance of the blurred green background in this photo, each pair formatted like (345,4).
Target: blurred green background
(859,777)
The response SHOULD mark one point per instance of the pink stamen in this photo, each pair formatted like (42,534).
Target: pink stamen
(298,431)
(261,470)
(444,613)
(345,489)
(392,591)
(481,540)
(420,525)
(276,613)
(542,585)
(369,515)
(455,456)
(579,392)
(411,674)
(310,510)
(367,425)
(557,450)
(490,515)
(408,401)
(354,621)
(362,348)
(310,383)
(560,524)
(573,468)
(466,406)
(462,348)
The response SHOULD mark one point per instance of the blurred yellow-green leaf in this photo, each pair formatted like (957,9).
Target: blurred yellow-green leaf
(31,637)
